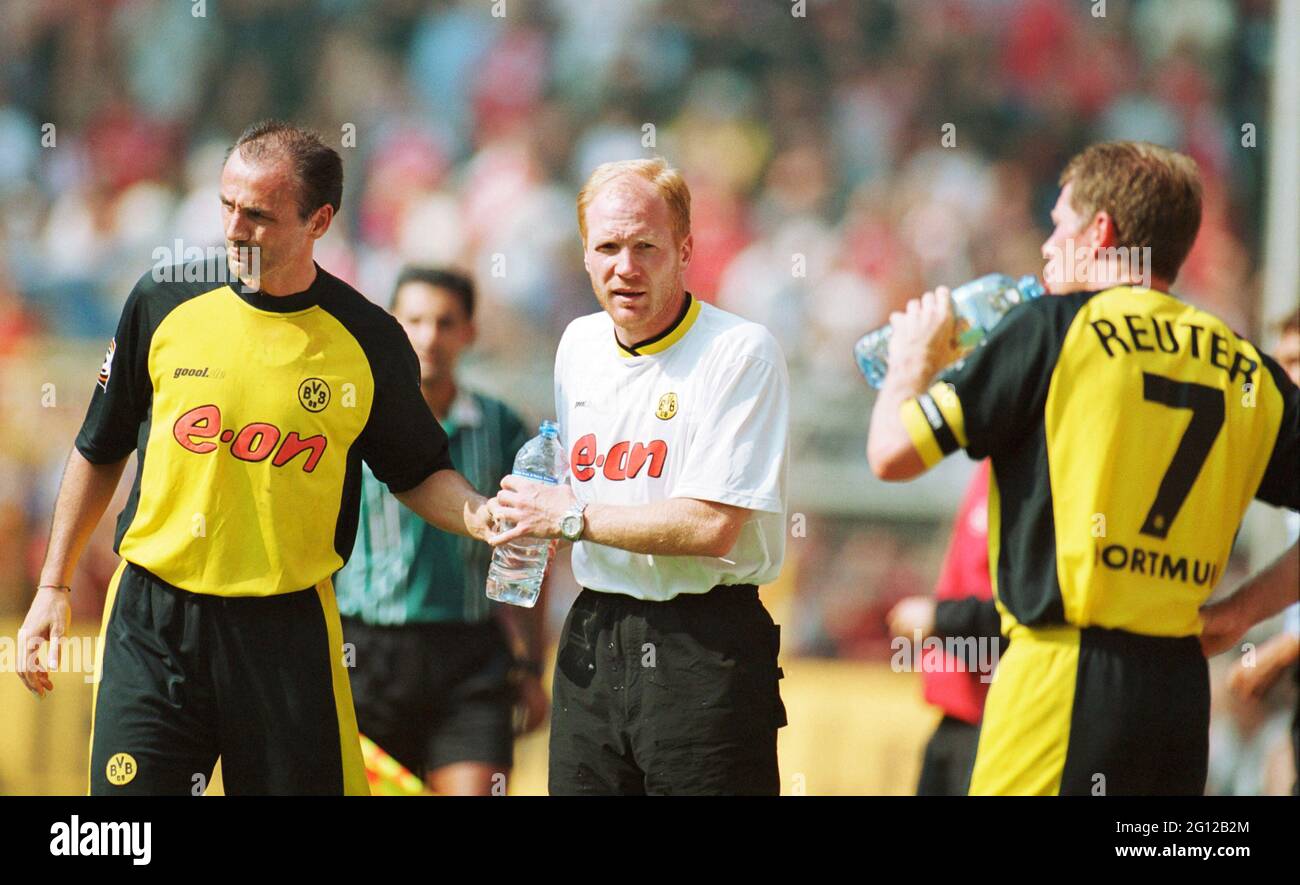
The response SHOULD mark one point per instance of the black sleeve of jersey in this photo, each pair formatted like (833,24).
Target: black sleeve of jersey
(402,442)
(1002,386)
(971,616)
(120,400)
(1281,483)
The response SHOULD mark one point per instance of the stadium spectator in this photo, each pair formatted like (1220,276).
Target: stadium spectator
(962,608)
(1261,597)
(1278,654)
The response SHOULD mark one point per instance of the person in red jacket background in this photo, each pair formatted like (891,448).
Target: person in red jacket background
(962,606)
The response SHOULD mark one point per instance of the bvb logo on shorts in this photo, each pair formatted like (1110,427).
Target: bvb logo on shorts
(314,394)
(667,406)
(121,769)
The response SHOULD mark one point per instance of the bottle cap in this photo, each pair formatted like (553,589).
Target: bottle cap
(1030,287)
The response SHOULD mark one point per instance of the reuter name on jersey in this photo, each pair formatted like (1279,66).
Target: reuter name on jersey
(701,413)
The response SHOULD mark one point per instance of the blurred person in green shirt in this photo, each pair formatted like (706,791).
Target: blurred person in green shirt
(439,668)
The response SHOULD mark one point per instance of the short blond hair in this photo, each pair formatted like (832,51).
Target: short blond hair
(667,180)
(1152,194)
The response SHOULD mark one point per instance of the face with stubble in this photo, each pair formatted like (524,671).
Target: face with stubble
(636,263)
(260,213)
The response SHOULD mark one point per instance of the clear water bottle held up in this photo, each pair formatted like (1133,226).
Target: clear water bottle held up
(978,306)
(518,567)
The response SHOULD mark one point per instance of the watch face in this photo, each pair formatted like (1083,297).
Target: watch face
(571,526)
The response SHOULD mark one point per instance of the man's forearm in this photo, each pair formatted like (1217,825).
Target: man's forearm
(446,500)
(1271,590)
(889,447)
(84,494)
(922,342)
(676,527)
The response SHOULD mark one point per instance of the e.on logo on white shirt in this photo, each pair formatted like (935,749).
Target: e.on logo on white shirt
(624,460)
(702,413)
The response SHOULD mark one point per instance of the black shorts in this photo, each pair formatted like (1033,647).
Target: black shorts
(433,694)
(667,698)
(187,677)
(949,758)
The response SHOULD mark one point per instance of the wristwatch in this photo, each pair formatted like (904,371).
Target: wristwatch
(572,523)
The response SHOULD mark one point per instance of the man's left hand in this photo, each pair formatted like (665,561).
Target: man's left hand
(1221,626)
(911,614)
(535,509)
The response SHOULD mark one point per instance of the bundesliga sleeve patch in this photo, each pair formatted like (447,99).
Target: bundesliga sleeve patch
(942,432)
(107,368)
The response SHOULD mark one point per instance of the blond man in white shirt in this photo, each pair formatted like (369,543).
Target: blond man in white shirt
(674,415)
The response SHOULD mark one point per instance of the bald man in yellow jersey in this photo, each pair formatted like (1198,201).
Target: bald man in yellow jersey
(251,387)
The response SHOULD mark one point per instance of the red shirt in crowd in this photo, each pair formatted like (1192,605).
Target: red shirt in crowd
(957,690)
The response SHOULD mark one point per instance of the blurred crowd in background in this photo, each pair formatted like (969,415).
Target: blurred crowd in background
(840,163)
(465,137)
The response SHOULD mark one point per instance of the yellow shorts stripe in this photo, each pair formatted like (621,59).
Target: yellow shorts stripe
(1026,729)
(354,768)
(109,599)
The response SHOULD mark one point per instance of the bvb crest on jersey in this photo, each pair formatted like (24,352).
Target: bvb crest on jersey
(667,406)
(314,394)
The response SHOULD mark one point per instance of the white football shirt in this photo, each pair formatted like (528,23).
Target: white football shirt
(701,412)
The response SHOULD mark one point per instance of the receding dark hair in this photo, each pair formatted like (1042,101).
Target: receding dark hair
(317,165)
(453,281)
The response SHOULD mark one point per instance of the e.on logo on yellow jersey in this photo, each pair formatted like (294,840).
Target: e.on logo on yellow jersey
(624,460)
(196,429)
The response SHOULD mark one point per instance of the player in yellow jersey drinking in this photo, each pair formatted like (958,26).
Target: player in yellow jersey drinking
(1128,430)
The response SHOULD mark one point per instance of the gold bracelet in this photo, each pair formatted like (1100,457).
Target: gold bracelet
(54,587)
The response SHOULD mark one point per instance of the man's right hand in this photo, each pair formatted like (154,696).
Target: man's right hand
(47,619)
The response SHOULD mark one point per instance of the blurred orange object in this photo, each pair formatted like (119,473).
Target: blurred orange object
(387,776)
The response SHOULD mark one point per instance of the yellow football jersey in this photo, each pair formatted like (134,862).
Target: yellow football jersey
(251,415)
(1128,431)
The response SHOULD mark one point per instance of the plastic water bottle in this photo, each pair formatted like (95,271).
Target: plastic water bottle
(518,567)
(978,306)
